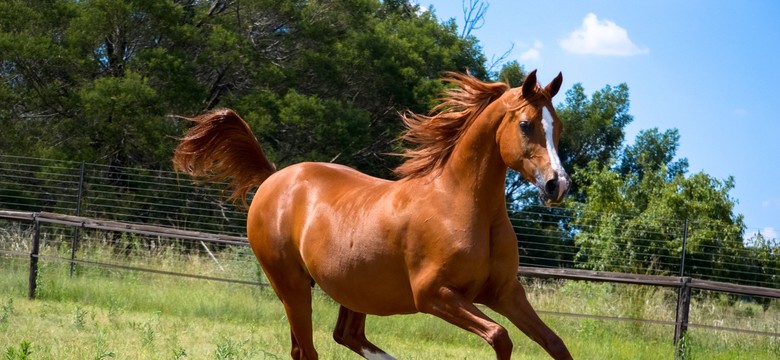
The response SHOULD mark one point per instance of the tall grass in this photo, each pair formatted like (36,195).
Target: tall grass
(104,313)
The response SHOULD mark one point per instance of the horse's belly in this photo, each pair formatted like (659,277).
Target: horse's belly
(373,298)
(363,280)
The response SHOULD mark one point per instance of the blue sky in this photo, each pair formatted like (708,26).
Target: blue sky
(711,69)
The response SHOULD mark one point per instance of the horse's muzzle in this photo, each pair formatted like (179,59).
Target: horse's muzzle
(554,190)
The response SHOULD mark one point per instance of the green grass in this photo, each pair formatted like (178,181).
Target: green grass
(113,314)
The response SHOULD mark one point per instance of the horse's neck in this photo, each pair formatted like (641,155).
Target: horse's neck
(475,167)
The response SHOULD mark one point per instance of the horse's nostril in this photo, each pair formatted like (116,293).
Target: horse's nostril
(551,186)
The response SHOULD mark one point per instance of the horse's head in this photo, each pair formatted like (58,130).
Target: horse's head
(528,137)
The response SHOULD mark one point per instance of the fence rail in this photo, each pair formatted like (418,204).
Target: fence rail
(652,280)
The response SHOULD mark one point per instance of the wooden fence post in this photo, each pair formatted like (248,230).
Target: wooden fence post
(683,308)
(36,243)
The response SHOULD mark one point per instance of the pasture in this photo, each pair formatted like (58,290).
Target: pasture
(119,314)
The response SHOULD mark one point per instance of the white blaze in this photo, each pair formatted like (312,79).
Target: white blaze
(547,123)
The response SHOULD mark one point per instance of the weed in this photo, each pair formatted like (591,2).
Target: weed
(101,351)
(39,279)
(147,334)
(683,351)
(25,349)
(115,311)
(228,350)
(44,310)
(79,315)
(6,312)
(179,353)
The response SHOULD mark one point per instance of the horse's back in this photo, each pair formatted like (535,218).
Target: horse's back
(315,182)
(294,193)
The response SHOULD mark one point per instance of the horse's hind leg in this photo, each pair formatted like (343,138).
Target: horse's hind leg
(299,316)
(292,286)
(350,332)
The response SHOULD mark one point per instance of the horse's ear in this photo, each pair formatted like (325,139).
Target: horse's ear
(529,84)
(555,85)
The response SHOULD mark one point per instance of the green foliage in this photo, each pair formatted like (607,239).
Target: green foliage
(5,312)
(179,353)
(512,73)
(79,317)
(594,128)
(96,80)
(331,127)
(23,353)
(653,151)
(634,211)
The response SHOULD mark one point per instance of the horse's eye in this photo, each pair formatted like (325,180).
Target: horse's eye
(525,126)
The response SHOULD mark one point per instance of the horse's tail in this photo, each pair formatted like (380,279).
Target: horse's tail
(221,146)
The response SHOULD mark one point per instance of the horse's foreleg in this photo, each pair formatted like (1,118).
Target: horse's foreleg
(455,309)
(513,303)
(350,332)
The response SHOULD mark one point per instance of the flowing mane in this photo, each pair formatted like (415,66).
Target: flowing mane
(435,135)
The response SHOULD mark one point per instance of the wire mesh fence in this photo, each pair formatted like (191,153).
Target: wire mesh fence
(132,195)
(547,237)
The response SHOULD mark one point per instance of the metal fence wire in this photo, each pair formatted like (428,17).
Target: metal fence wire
(547,237)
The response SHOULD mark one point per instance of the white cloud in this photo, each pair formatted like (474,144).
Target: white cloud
(600,37)
(533,53)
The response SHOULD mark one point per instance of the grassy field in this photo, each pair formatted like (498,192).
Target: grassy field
(118,314)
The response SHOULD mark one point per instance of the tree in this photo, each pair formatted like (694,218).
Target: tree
(633,214)
(652,151)
(760,262)
(512,73)
(594,128)
(97,80)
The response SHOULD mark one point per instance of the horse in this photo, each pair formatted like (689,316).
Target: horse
(436,240)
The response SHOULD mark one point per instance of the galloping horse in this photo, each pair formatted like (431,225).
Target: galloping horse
(436,241)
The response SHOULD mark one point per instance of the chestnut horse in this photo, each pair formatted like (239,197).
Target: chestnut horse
(436,241)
